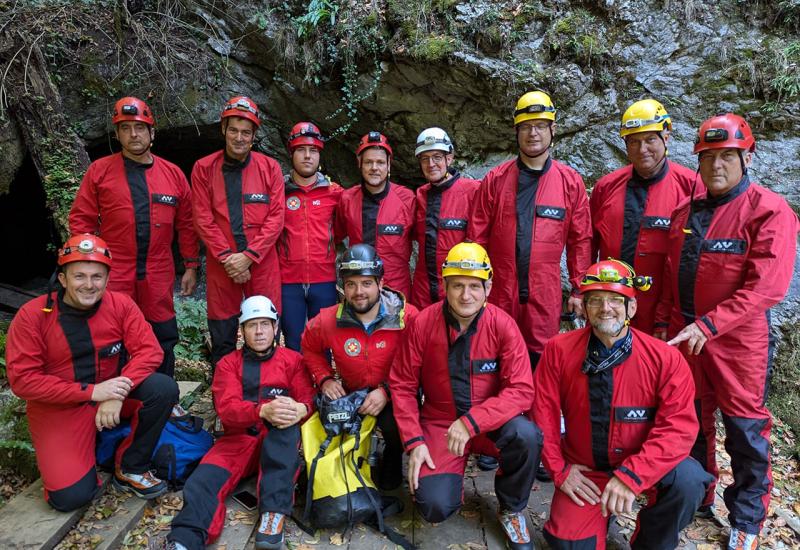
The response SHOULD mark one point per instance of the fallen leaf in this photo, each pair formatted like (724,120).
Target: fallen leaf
(337,539)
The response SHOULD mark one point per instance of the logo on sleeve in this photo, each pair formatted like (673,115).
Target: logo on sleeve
(656,222)
(169,200)
(634,415)
(271,392)
(390,229)
(293,203)
(256,197)
(111,351)
(485,366)
(552,212)
(725,246)
(352,347)
(456,224)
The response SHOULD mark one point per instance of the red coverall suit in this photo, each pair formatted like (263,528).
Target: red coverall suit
(307,254)
(730,260)
(136,208)
(362,356)
(630,218)
(634,420)
(440,223)
(54,360)
(238,207)
(384,221)
(243,382)
(483,376)
(525,228)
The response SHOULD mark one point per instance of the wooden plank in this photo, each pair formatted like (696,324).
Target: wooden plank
(14,298)
(239,522)
(28,522)
(111,516)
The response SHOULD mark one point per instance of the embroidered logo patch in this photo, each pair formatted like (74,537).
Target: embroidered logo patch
(293,203)
(111,351)
(390,229)
(656,222)
(381,344)
(271,392)
(552,212)
(634,415)
(352,347)
(485,366)
(725,246)
(169,200)
(453,223)
(256,197)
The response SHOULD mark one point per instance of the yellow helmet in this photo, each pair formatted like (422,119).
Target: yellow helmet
(647,115)
(469,259)
(534,106)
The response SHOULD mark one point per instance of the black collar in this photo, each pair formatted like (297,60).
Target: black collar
(447,183)
(537,173)
(710,202)
(375,197)
(638,180)
(67,309)
(251,355)
(230,164)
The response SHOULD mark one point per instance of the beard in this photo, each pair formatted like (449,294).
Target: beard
(608,327)
(368,306)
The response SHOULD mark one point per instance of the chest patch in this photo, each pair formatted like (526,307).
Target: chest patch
(255,198)
(390,229)
(725,246)
(111,351)
(485,366)
(293,203)
(453,223)
(169,200)
(634,415)
(551,212)
(656,222)
(271,392)
(352,347)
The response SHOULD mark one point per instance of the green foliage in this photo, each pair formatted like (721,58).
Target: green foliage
(772,73)
(580,36)
(62,176)
(319,11)
(784,398)
(192,327)
(15,443)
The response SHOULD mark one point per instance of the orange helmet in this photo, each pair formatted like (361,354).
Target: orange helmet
(374,139)
(242,107)
(84,248)
(132,109)
(724,131)
(305,133)
(614,276)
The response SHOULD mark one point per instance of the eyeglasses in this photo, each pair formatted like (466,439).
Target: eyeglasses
(436,159)
(538,127)
(596,302)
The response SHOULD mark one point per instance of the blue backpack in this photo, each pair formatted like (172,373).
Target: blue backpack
(182,445)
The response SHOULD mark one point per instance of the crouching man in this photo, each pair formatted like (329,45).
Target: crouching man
(82,360)
(262,393)
(627,401)
(470,361)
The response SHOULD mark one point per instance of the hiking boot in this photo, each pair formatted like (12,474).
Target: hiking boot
(516,528)
(739,540)
(542,475)
(144,485)
(487,463)
(270,533)
(706,511)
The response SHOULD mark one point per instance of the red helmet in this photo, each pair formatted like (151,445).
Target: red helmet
(374,139)
(84,248)
(242,107)
(132,109)
(305,133)
(725,131)
(614,276)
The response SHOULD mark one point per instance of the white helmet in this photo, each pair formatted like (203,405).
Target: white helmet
(258,307)
(433,139)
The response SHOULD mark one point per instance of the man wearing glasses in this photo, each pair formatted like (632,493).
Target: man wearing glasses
(627,402)
(238,212)
(442,212)
(379,212)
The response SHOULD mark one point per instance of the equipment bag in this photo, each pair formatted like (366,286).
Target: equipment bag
(183,443)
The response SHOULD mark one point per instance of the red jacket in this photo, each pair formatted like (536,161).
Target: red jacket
(362,359)
(243,382)
(730,260)
(54,359)
(494,373)
(644,409)
(440,223)
(389,217)
(250,219)
(631,223)
(560,218)
(307,248)
(109,204)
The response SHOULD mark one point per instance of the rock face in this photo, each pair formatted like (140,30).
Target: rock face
(461,65)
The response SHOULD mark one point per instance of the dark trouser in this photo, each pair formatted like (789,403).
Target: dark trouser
(670,507)
(300,303)
(393,452)
(517,445)
(167,335)
(534,357)
(233,457)
(64,439)
(223,337)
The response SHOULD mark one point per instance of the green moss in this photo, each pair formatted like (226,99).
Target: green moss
(433,48)
(579,36)
(784,399)
(61,178)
